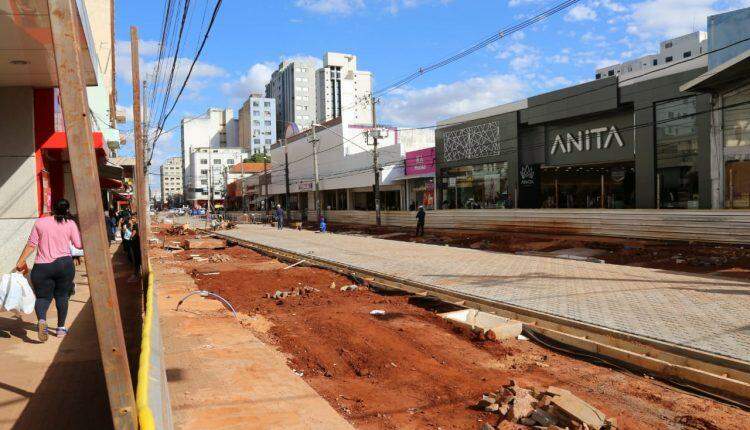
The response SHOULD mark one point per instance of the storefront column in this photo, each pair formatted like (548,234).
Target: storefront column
(349,200)
(645,154)
(716,162)
(703,163)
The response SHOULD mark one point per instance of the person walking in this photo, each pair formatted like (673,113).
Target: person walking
(420,221)
(126,234)
(53,271)
(279,217)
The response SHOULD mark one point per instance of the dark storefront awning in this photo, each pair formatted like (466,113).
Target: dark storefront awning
(734,70)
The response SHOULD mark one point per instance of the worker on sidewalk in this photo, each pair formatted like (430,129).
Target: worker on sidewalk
(420,221)
(279,217)
(53,271)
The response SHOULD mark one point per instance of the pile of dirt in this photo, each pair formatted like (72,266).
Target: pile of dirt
(408,368)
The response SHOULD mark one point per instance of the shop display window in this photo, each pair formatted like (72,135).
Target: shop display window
(677,153)
(479,186)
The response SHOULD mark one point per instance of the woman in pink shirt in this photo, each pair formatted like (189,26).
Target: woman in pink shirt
(53,271)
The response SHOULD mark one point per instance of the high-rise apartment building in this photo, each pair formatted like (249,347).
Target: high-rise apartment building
(171,180)
(216,129)
(343,90)
(257,124)
(292,86)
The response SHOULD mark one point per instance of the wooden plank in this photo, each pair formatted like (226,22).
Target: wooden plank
(140,166)
(75,109)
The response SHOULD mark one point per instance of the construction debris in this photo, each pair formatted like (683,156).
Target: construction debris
(205,243)
(219,258)
(551,409)
(178,230)
(348,288)
(296,292)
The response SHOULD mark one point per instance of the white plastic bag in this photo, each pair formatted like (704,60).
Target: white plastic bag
(16,294)
(75,252)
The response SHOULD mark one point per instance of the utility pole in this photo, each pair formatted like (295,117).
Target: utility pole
(242,183)
(314,142)
(286,175)
(265,180)
(375,167)
(209,201)
(140,153)
(101,280)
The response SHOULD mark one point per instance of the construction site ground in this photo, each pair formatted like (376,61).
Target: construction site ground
(408,369)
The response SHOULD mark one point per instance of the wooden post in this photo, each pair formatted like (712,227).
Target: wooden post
(75,109)
(140,165)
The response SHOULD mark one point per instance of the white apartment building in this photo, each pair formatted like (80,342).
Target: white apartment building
(340,86)
(217,128)
(292,86)
(257,124)
(171,180)
(208,171)
(682,49)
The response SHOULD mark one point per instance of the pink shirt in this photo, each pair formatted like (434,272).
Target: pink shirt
(52,239)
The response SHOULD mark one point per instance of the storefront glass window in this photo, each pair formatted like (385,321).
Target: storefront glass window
(737,148)
(677,153)
(475,187)
(607,186)
(421,193)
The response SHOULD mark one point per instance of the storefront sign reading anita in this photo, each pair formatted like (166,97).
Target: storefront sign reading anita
(585,140)
(597,140)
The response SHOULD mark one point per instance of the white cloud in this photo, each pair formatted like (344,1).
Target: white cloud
(522,57)
(591,37)
(423,106)
(252,81)
(337,7)
(611,5)
(605,63)
(560,59)
(555,82)
(670,18)
(146,48)
(580,12)
(128,112)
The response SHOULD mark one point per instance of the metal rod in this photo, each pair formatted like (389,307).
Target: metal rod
(317,177)
(75,109)
(375,166)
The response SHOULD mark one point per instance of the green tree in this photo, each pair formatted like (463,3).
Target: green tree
(258,158)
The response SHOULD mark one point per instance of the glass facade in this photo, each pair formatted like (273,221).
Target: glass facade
(480,186)
(421,193)
(609,186)
(677,153)
(736,133)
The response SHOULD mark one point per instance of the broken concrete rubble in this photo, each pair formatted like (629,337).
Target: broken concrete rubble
(549,409)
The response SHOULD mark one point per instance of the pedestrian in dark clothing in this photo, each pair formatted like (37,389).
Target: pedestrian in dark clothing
(279,217)
(420,221)
(135,248)
(111,226)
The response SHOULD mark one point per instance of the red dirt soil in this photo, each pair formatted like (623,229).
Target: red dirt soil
(409,369)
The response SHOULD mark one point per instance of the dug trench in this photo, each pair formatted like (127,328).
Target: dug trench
(409,369)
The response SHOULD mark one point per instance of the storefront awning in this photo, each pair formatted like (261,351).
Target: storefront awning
(733,70)
(58,140)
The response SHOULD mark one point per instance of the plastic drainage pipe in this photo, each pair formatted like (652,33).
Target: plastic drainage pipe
(204,293)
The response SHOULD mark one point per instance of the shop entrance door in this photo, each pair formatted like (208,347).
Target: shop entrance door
(604,186)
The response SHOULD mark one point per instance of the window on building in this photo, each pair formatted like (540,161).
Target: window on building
(677,153)
(268,123)
(611,73)
(668,59)
(217,161)
(476,186)
(266,104)
(204,181)
(268,141)
(230,161)
(737,148)
(686,54)
(255,103)
(204,172)
(204,161)
(655,62)
(598,76)
(256,113)
(667,45)
(256,141)
(255,122)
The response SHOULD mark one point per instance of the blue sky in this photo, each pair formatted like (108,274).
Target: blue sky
(393,38)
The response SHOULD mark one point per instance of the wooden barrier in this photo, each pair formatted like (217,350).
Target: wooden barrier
(714,226)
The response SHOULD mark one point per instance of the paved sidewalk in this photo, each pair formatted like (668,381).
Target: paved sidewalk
(220,375)
(702,312)
(58,384)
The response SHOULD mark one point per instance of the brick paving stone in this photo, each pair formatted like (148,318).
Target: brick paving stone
(697,311)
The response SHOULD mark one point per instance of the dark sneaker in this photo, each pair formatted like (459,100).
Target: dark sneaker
(61,332)
(42,330)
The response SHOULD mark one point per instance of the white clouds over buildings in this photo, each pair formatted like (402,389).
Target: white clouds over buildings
(580,12)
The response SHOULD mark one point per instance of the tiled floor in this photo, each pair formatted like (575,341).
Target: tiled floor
(701,312)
